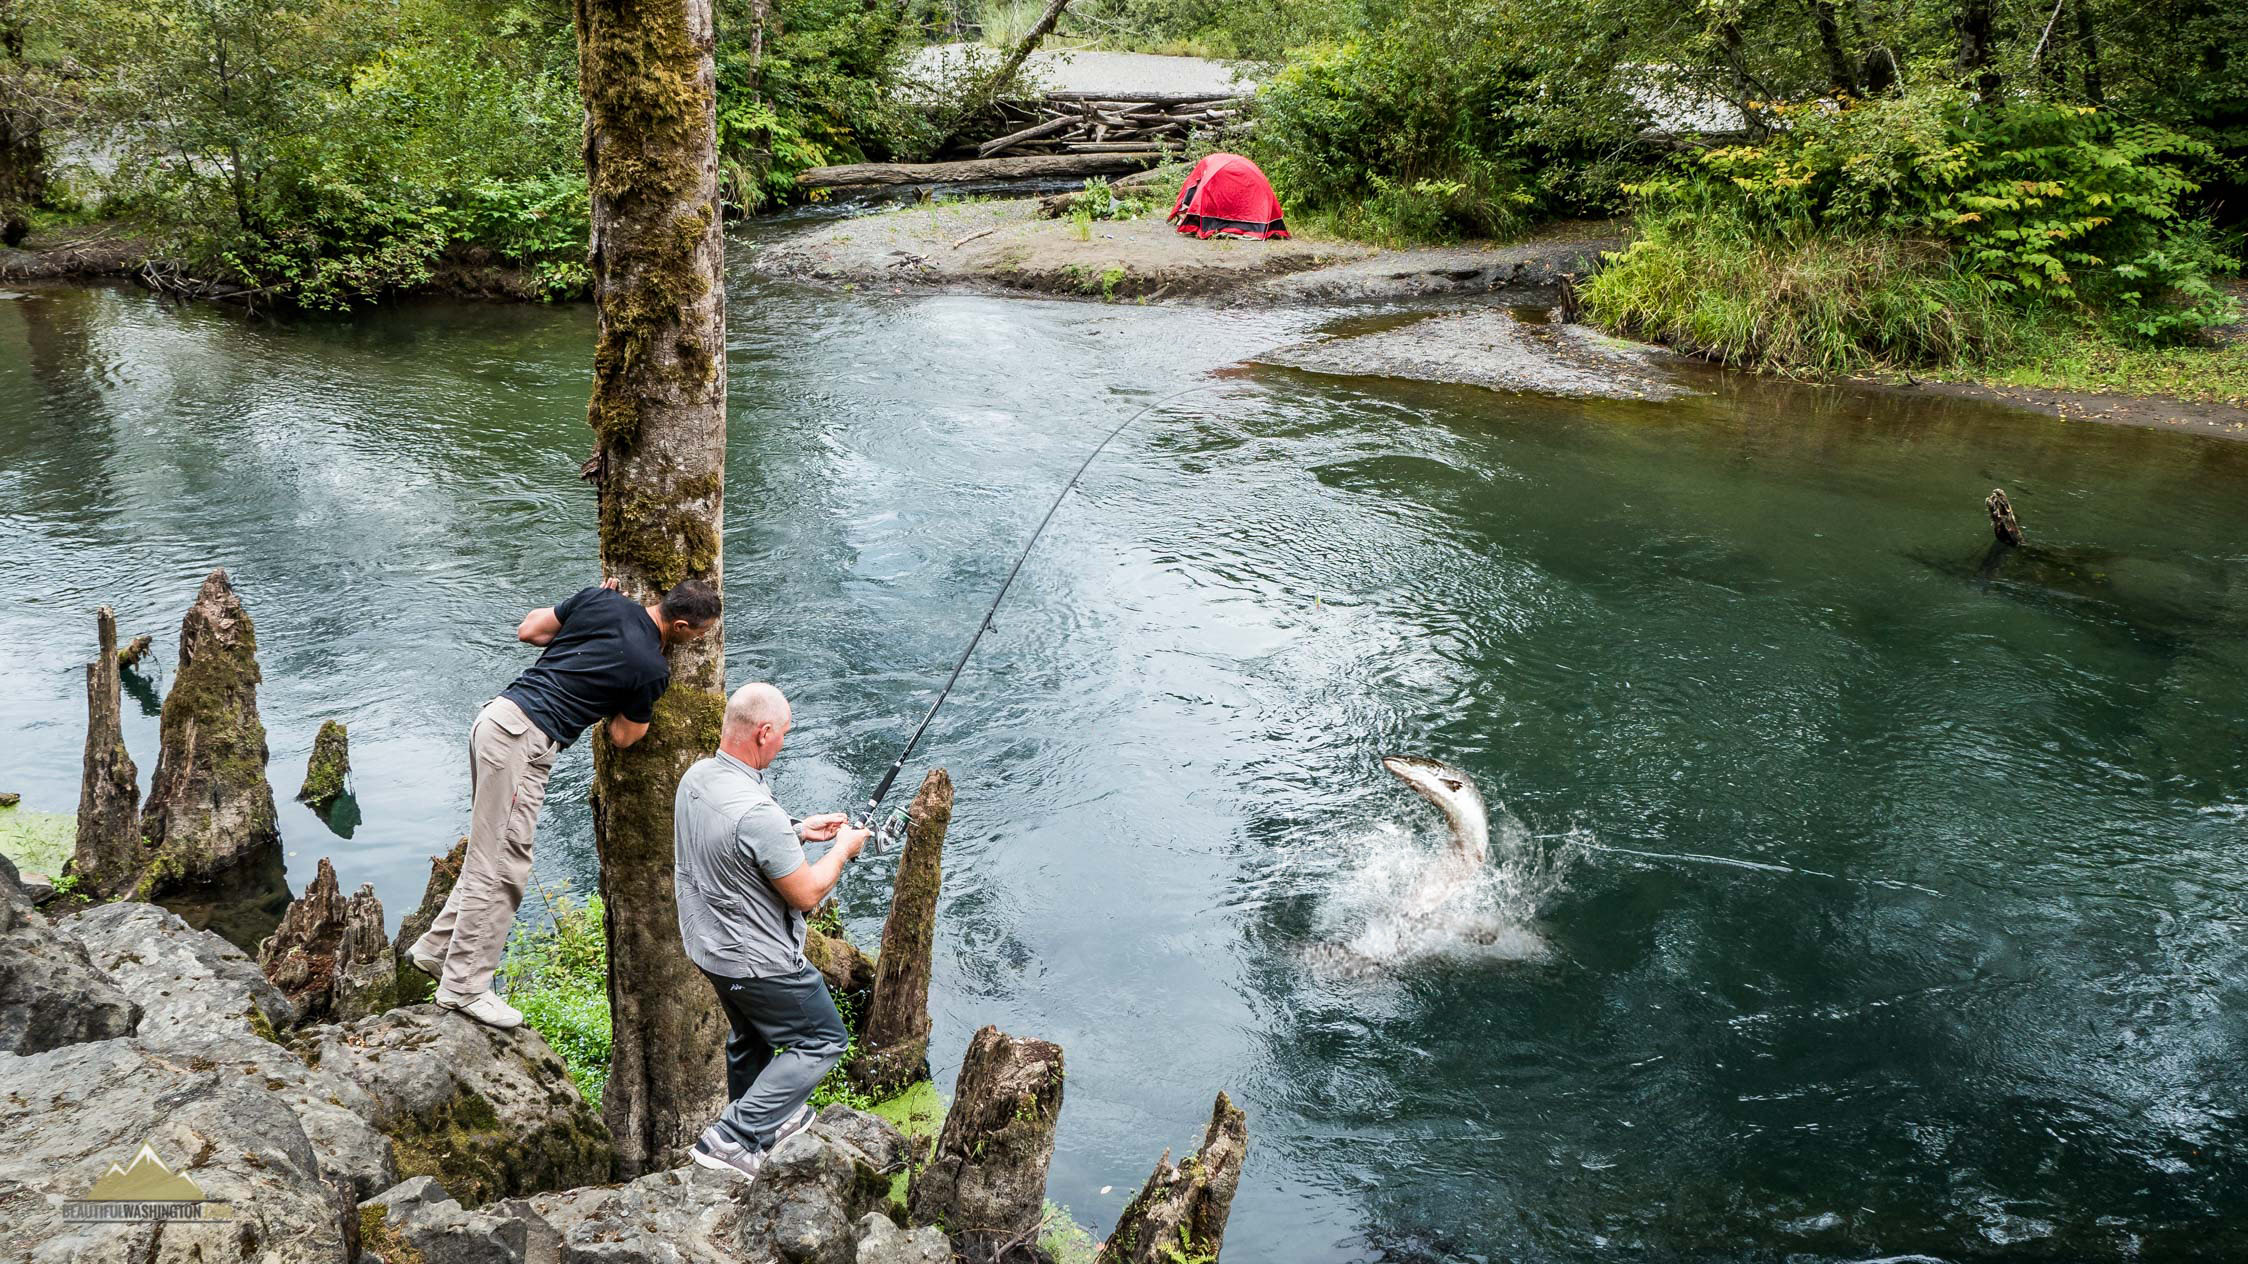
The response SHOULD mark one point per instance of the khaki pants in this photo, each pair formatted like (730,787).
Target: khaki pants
(508,761)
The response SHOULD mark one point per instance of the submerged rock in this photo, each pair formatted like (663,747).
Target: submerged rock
(1181,1212)
(210,809)
(51,993)
(328,770)
(986,1180)
(106,855)
(329,956)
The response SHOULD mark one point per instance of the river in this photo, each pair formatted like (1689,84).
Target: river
(1960,971)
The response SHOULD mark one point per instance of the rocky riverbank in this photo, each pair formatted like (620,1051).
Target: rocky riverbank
(1011,246)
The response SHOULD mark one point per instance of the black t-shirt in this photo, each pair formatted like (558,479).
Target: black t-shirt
(607,660)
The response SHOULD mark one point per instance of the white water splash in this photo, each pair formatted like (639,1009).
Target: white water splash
(1401,897)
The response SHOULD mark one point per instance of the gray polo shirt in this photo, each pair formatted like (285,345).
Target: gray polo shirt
(729,840)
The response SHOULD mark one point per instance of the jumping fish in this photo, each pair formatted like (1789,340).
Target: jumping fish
(1455,795)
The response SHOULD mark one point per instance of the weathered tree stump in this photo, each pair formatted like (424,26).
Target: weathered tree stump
(1180,1213)
(209,814)
(986,1181)
(135,650)
(327,770)
(329,956)
(895,1045)
(840,962)
(2002,522)
(106,856)
(412,985)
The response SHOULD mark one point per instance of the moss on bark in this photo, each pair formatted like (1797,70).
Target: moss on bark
(328,769)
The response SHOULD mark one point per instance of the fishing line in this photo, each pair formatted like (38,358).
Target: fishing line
(1762,866)
(882,788)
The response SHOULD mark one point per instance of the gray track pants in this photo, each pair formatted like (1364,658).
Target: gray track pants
(790,1013)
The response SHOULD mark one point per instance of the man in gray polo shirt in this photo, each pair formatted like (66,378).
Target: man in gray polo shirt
(744,886)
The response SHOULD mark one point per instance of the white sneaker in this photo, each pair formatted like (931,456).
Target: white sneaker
(794,1124)
(485,1007)
(434,967)
(714,1151)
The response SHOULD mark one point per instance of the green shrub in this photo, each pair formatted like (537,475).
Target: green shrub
(2048,204)
(559,977)
(1715,284)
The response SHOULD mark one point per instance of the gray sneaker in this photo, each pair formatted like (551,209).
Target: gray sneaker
(714,1150)
(796,1123)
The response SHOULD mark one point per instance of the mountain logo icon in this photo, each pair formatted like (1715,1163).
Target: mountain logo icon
(144,1189)
(145,1180)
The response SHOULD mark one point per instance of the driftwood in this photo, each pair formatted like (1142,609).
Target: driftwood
(2002,523)
(106,854)
(986,1180)
(1181,1212)
(895,1045)
(1042,165)
(1032,132)
(1066,123)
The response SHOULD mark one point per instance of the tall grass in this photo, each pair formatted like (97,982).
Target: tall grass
(1709,284)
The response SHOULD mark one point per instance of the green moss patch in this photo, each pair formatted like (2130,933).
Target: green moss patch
(38,842)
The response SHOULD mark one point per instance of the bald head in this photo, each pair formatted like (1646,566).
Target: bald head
(757,719)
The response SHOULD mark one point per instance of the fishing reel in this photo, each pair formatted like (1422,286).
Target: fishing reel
(886,829)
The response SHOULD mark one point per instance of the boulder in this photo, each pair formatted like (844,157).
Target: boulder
(329,956)
(210,811)
(1181,1212)
(894,1047)
(688,1215)
(106,855)
(881,1241)
(816,1186)
(326,773)
(986,1180)
(412,985)
(71,1114)
(489,1113)
(418,1215)
(191,984)
(51,993)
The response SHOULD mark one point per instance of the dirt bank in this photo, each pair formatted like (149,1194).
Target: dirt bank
(1005,246)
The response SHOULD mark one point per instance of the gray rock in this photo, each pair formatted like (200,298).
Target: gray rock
(191,985)
(51,993)
(70,1113)
(875,1140)
(490,1113)
(688,1215)
(418,1215)
(813,1188)
(882,1242)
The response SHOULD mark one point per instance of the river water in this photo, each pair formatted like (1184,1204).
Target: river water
(1961,975)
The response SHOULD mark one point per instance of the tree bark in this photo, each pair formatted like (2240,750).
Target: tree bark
(1181,1212)
(2088,46)
(1977,19)
(658,412)
(23,147)
(895,1045)
(1840,75)
(986,1180)
(106,855)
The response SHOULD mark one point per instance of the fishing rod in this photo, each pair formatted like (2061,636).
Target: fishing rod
(887,831)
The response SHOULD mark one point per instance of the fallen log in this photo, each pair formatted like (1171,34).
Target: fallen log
(1112,147)
(1146,98)
(1048,128)
(1030,168)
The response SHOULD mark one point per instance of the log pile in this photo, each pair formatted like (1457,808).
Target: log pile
(1078,123)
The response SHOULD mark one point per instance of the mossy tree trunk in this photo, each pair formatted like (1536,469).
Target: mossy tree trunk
(106,854)
(658,412)
(23,148)
(895,1045)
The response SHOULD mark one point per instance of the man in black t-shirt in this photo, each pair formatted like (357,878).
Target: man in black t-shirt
(604,657)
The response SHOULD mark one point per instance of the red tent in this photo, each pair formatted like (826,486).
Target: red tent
(1225,193)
